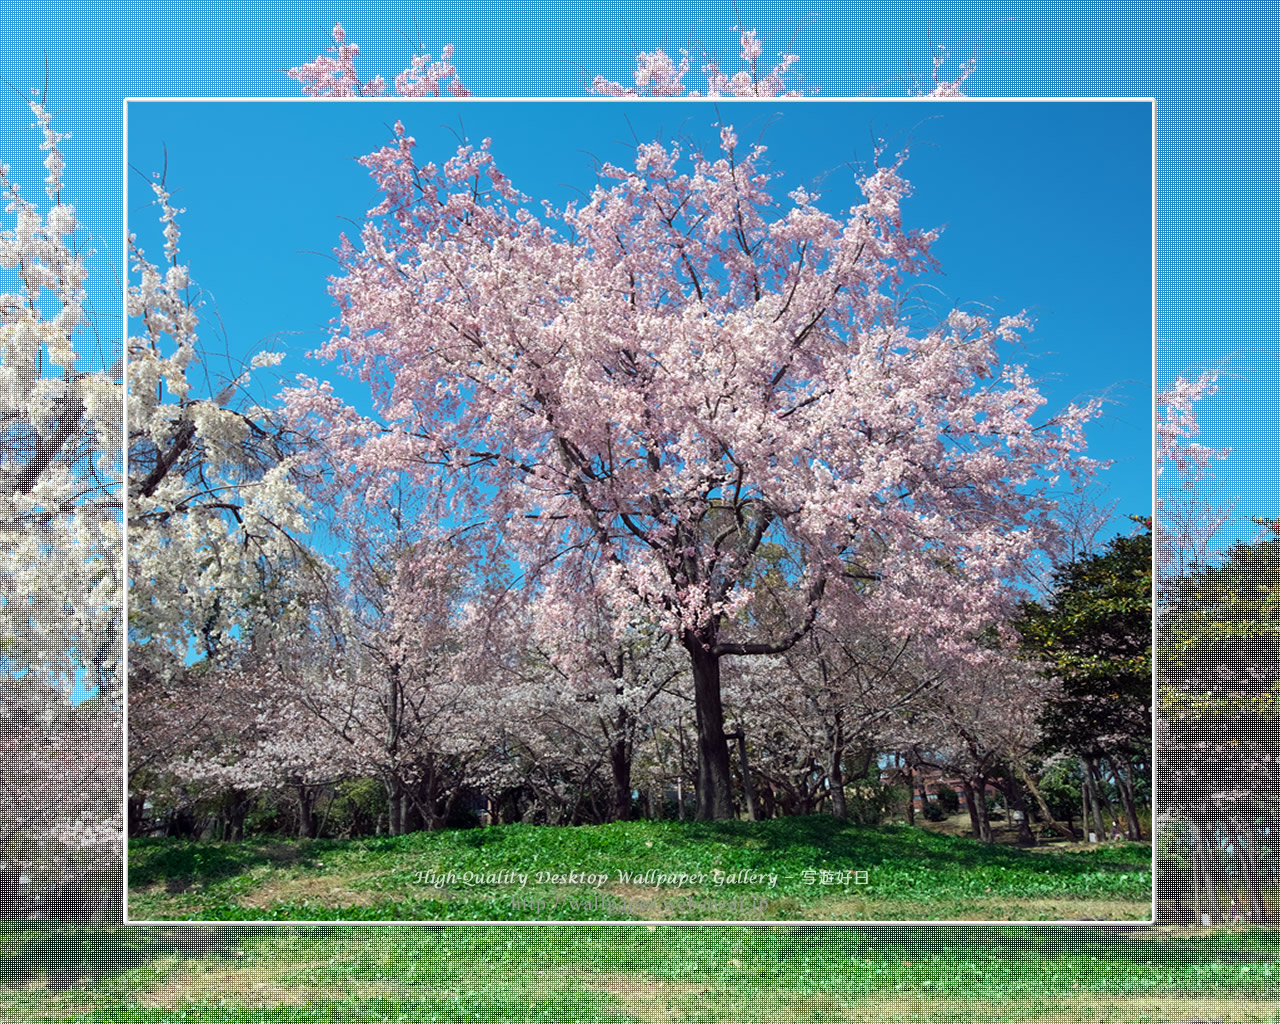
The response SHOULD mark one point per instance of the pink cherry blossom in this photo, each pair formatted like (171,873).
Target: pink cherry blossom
(630,408)
(656,74)
(336,75)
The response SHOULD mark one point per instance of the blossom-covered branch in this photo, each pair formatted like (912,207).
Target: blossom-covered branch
(336,75)
(60,588)
(656,75)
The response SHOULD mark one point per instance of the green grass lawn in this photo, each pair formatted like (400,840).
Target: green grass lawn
(627,973)
(815,868)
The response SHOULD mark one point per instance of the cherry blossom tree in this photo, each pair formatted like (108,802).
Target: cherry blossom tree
(1187,520)
(60,791)
(168,720)
(60,455)
(266,735)
(59,445)
(336,75)
(1178,424)
(656,75)
(981,725)
(215,514)
(627,409)
(227,714)
(221,583)
(418,698)
(413,691)
(825,704)
(602,675)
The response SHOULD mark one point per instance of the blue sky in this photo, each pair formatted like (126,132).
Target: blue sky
(1060,225)
(1206,67)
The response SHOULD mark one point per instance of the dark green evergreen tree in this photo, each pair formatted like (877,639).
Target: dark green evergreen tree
(1094,632)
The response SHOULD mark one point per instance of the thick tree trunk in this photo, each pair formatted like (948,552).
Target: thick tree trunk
(971,806)
(1124,782)
(748,789)
(839,806)
(768,797)
(427,791)
(1206,890)
(975,801)
(306,811)
(393,810)
(180,823)
(620,788)
(715,786)
(397,800)
(835,773)
(235,806)
(450,802)
(1016,803)
(1099,788)
(984,818)
(1057,826)
(620,731)
(1093,800)
(681,777)
(1196,878)
(908,777)
(137,814)
(398,808)
(1249,868)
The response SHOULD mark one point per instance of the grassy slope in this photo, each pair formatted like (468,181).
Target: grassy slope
(911,874)
(639,973)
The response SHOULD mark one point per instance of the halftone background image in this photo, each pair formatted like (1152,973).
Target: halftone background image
(64,953)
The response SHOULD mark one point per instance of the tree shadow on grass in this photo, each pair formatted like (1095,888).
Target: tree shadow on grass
(179,862)
(62,957)
(1130,948)
(825,839)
